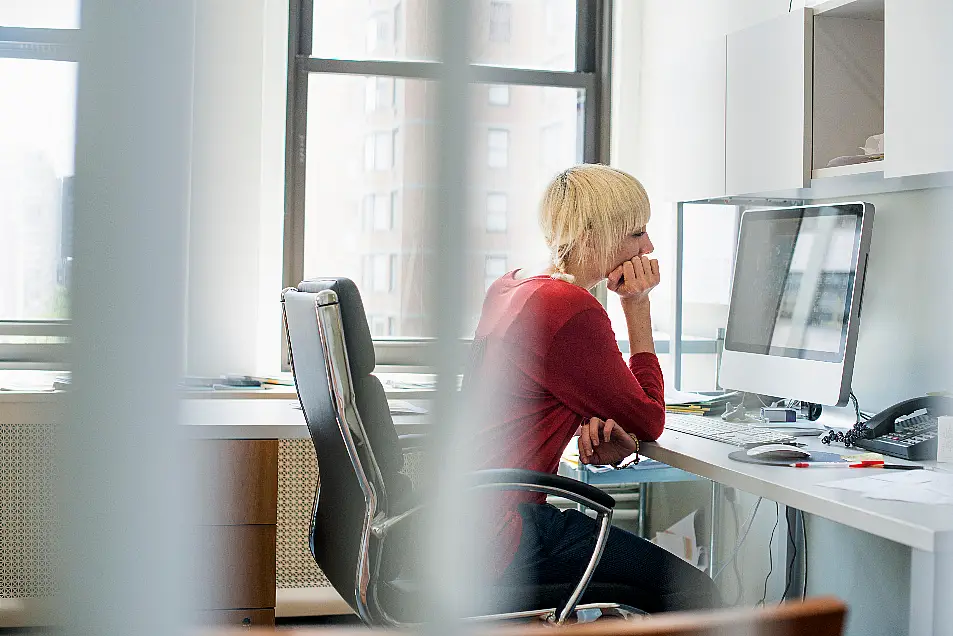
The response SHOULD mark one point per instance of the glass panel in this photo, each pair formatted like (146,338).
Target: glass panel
(351,231)
(536,34)
(40,14)
(710,235)
(375,29)
(37,126)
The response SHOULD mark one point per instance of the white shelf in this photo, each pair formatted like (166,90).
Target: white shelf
(853,169)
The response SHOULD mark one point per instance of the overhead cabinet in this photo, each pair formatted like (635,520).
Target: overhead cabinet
(918,91)
(768,111)
(803,93)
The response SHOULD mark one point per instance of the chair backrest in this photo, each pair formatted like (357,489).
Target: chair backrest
(359,459)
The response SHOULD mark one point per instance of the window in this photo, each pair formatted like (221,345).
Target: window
(378,32)
(36,14)
(499,95)
(379,94)
(381,326)
(500,15)
(496,204)
(379,273)
(350,108)
(498,148)
(379,150)
(398,24)
(37,143)
(378,212)
(493,268)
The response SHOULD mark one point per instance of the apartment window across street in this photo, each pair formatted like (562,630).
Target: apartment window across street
(38,70)
(498,148)
(493,268)
(496,208)
(500,16)
(363,112)
(378,212)
(379,150)
(380,93)
(499,95)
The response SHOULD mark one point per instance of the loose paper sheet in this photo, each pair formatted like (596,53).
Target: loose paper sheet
(680,540)
(916,486)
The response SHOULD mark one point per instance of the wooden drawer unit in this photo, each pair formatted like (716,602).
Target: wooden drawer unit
(237,495)
(242,618)
(237,481)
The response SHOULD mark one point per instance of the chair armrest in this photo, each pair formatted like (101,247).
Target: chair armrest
(522,479)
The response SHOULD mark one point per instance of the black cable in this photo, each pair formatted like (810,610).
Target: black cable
(791,539)
(859,431)
(734,563)
(790,4)
(777,518)
(804,538)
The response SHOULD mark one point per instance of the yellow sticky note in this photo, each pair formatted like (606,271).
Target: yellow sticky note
(862,457)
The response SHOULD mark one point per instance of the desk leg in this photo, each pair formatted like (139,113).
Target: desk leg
(930,576)
(644,489)
(714,522)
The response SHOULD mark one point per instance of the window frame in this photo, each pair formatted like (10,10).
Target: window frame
(55,45)
(592,74)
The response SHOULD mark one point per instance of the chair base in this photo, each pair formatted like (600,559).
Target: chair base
(585,613)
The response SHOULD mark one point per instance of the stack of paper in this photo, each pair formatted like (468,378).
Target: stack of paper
(694,403)
(917,486)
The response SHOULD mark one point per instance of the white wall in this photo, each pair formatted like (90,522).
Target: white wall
(235,233)
(904,347)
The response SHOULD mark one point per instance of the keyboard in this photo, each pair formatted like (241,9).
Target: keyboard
(735,433)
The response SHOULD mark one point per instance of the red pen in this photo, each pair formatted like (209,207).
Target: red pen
(867,463)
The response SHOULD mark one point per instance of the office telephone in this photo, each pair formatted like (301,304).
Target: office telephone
(907,429)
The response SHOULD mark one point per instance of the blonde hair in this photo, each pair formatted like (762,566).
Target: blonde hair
(587,211)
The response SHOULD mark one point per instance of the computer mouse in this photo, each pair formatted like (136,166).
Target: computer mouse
(778,451)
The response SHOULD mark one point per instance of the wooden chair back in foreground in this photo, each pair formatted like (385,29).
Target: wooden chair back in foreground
(820,616)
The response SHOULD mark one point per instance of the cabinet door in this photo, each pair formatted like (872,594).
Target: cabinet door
(769,105)
(918,87)
(694,136)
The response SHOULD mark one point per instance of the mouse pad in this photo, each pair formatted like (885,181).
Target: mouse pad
(816,456)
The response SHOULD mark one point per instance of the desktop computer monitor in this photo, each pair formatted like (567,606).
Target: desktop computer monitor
(796,297)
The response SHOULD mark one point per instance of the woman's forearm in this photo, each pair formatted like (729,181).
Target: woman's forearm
(638,318)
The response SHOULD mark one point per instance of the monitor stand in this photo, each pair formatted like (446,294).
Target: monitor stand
(839,417)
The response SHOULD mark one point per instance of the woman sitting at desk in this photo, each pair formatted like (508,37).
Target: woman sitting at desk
(546,357)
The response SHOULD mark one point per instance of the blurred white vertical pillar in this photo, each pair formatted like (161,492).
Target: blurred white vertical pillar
(450,551)
(120,564)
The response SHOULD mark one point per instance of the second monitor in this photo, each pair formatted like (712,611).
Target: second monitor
(796,298)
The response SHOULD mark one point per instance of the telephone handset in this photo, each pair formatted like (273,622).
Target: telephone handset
(907,429)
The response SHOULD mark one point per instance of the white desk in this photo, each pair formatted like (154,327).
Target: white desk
(264,419)
(927,530)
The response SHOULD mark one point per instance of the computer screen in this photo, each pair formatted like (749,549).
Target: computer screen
(795,296)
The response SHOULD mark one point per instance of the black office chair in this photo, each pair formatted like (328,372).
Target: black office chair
(363,500)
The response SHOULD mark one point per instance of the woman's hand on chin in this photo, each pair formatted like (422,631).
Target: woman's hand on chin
(634,279)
